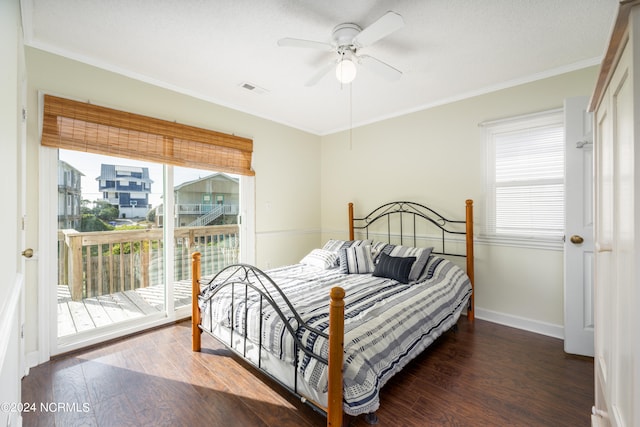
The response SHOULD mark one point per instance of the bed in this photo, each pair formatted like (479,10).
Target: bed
(334,328)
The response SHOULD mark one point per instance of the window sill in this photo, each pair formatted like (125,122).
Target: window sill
(550,243)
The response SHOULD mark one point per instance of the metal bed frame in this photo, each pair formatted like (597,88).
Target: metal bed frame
(250,278)
(413,211)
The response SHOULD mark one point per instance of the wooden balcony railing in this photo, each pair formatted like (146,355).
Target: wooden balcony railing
(105,262)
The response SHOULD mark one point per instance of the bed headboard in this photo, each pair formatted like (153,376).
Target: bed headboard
(408,220)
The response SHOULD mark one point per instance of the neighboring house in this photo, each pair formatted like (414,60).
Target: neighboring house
(211,200)
(126,187)
(69,196)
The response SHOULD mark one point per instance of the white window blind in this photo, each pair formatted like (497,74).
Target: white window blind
(525,176)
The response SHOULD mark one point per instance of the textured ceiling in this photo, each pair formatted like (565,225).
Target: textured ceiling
(447,49)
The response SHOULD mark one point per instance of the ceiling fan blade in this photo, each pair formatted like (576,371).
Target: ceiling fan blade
(320,74)
(384,70)
(387,24)
(289,42)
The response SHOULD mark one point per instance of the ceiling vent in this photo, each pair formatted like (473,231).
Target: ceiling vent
(253,88)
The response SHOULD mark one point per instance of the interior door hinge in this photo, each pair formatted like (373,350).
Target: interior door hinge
(24,114)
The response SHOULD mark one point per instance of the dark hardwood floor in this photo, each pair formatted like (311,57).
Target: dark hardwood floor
(480,375)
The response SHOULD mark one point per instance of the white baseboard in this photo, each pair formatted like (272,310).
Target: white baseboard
(543,328)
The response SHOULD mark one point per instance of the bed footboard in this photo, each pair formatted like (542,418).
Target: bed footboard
(252,278)
(196,333)
(336,354)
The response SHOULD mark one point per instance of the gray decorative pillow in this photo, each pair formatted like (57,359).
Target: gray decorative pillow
(356,260)
(396,268)
(419,267)
(422,257)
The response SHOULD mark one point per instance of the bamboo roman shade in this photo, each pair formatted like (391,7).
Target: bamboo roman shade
(80,126)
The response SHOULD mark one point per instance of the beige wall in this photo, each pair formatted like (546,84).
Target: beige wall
(286,160)
(435,156)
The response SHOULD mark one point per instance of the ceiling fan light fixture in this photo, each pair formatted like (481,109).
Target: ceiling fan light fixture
(346,71)
(347,39)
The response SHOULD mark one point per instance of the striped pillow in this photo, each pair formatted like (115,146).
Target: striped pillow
(422,257)
(396,268)
(320,258)
(356,260)
(354,243)
(377,248)
(334,245)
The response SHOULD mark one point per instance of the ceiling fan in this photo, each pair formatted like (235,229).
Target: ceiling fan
(347,40)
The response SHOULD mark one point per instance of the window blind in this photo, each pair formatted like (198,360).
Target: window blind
(526,177)
(80,126)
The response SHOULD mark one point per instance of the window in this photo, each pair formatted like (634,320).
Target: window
(525,178)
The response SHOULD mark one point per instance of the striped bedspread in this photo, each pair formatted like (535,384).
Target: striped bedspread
(387,323)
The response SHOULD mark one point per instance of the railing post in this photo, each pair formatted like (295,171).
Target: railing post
(336,351)
(73,240)
(145,248)
(63,254)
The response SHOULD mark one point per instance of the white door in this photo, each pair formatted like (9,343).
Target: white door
(578,247)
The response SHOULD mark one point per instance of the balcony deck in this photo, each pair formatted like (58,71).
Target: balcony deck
(103,310)
(106,277)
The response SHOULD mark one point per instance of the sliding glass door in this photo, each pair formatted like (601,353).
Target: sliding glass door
(206,211)
(125,233)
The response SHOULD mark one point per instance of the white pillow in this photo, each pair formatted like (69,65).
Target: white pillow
(321,258)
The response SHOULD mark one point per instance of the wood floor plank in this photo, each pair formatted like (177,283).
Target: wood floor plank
(485,374)
(38,388)
(102,384)
(70,388)
(116,411)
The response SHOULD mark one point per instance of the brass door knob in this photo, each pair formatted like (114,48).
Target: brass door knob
(27,253)
(576,239)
